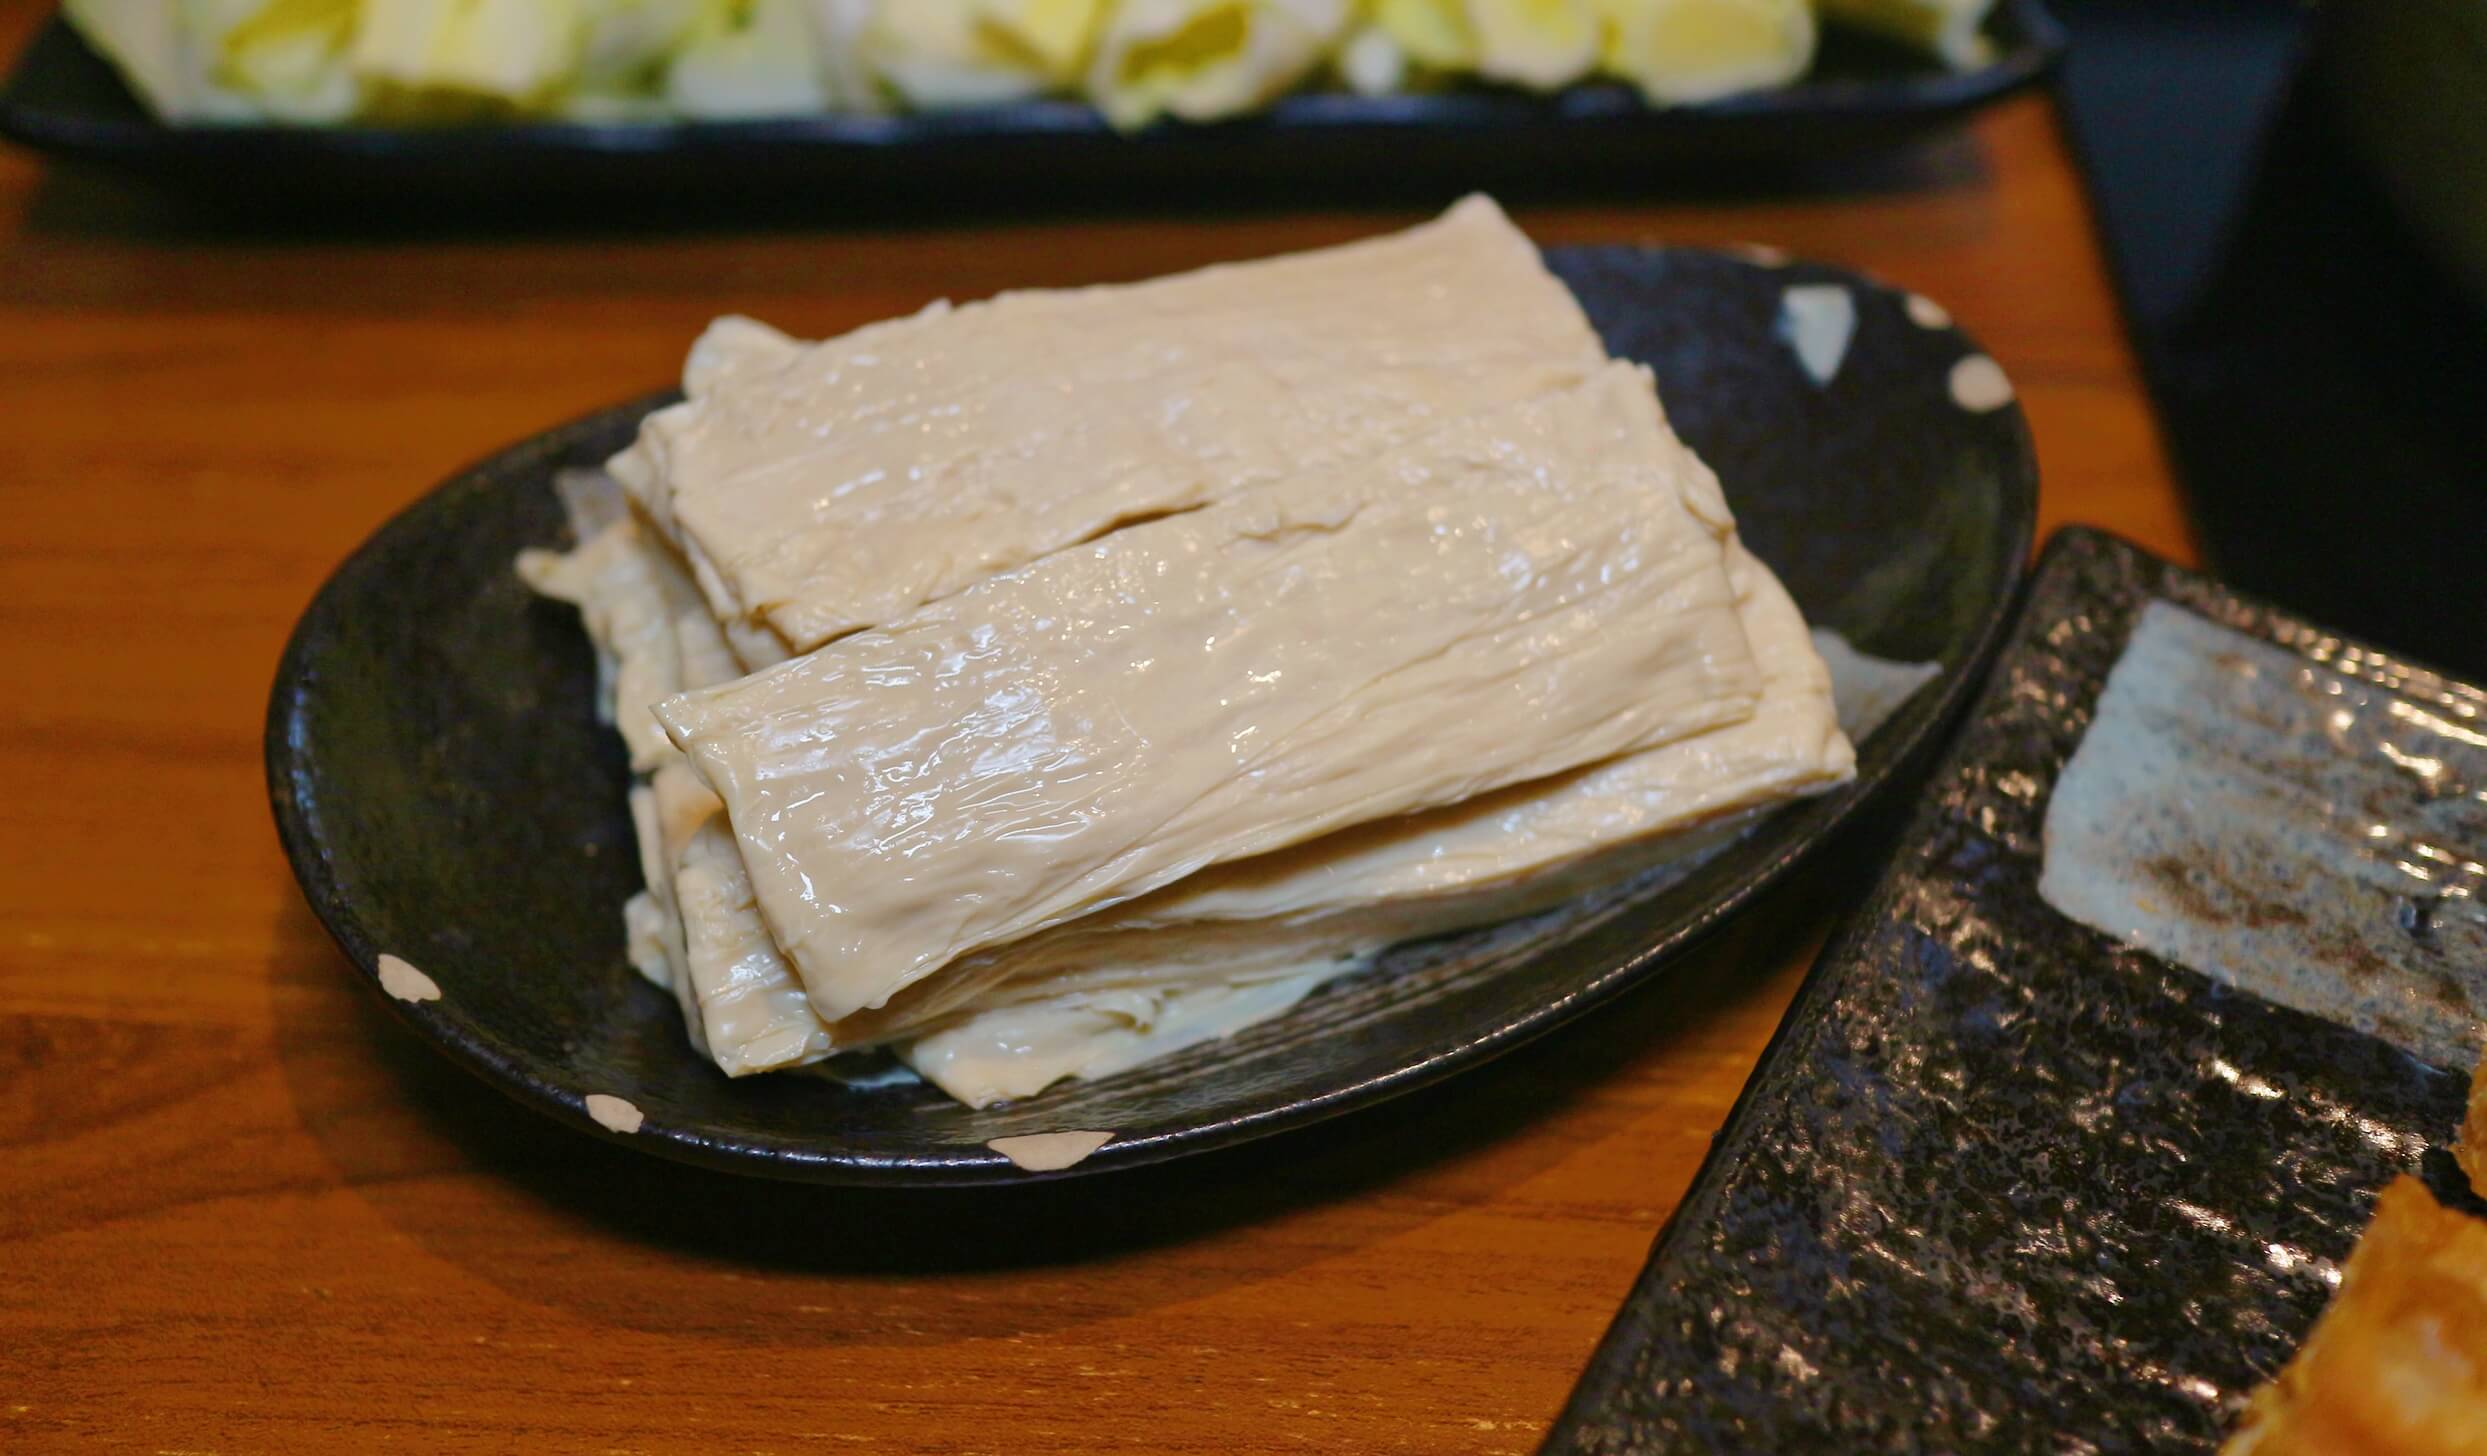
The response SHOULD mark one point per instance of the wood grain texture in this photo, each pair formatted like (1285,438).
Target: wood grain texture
(241,1212)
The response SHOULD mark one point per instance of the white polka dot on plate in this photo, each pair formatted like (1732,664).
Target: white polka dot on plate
(1816,321)
(1049,1152)
(1979,385)
(615,1113)
(400,979)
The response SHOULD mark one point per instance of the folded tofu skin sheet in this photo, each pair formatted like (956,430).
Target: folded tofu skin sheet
(818,489)
(1041,686)
(1347,644)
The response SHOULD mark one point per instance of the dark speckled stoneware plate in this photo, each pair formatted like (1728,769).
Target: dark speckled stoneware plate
(2003,1183)
(447,796)
(1862,92)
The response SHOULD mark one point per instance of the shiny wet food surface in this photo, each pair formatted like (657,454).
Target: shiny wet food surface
(2013,1181)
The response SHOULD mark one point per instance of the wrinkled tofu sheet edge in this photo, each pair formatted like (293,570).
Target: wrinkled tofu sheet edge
(1526,591)
(1209,954)
(818,488)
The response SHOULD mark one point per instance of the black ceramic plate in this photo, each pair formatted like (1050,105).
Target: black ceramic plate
(447,797)
(65,100)
(2001,1184)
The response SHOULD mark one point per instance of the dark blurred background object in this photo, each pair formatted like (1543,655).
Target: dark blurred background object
(2291,200)
(2407,82)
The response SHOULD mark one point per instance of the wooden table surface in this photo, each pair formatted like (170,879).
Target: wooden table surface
(241,1211)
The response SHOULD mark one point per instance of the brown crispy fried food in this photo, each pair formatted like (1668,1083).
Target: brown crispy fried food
(2398,1362)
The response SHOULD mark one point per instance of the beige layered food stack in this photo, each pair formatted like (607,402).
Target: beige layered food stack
(1042,685)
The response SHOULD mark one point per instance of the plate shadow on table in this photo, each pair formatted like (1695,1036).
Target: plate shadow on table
(935,1265)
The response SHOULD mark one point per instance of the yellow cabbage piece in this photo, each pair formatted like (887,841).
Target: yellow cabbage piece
(1051,36)
(946,53)
(627,45)
(518,53)
(1434,33)
(1540,44)
(290,55)
(1685,51)
(321,61)
(1205,59)
(749,58)
(170,53)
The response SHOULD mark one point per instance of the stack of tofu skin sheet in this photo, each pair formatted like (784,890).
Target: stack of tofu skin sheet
(1037,686)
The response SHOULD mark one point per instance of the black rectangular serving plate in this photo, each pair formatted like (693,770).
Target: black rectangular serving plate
(64,100)
(2000,1184)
